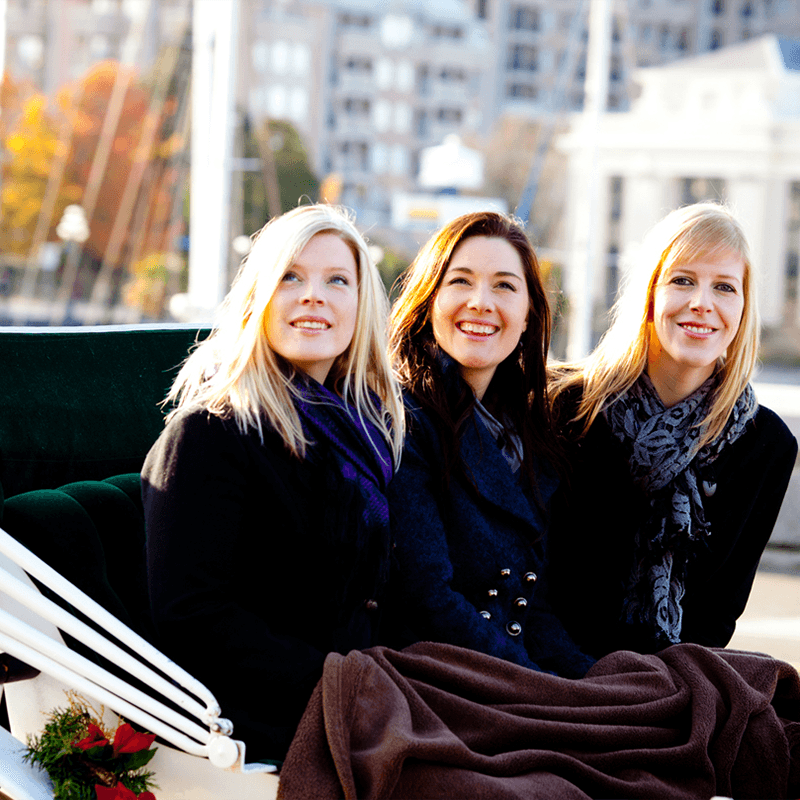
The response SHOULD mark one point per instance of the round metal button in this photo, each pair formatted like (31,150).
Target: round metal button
(520,602)
(531,577)
(486,615)
(371,605)
(504,573)
(513,628)
(492,593)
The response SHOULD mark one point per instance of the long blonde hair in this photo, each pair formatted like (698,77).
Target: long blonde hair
(685,235)
(235,373)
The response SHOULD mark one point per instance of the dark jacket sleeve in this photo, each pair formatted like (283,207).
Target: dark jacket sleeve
(202,547)
(753,478)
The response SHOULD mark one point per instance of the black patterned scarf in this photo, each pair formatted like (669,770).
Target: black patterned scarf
(662,451)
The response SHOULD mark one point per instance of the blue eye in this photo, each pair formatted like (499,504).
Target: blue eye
(340,280)
(507,285)
(725,287)
(682,280)
(457,280)
(289,276)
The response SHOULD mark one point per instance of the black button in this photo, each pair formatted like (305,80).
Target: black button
(514,628)
(520,602)
(485,614)
(371,605)
(492,592)
(504,573)
(531,577)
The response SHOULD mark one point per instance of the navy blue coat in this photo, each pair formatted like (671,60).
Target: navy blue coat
(472,560)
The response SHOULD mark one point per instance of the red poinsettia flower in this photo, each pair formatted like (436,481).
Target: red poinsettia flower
(121,792)
(94,738)
(129,740)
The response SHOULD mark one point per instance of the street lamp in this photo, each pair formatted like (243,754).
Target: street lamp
(73,229)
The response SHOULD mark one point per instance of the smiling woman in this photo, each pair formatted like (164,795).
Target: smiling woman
(267,520)
(673,459)
(471,502)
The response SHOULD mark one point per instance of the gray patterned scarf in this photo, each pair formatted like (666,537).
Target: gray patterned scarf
(661,444)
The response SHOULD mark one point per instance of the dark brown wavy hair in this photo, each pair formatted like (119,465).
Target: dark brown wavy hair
(518,390)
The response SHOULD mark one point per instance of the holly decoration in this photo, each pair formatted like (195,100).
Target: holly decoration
(85,762)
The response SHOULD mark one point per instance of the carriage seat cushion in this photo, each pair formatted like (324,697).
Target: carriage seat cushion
(83,403)
(92,533)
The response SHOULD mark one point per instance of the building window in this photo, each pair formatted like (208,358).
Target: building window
(360,65)
(356,107)
(663,38)
(523,57)
(615,196)
(684,40)
(698,190)
(716,39)
(524,91)
(446,32)
(747,10)
(717,7)
(793,244)
(354,21)
(449,115)
(482,9)
(525,18)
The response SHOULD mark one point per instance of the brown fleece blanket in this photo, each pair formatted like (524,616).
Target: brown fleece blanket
(437,721)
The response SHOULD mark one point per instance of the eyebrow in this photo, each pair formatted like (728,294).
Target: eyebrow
(723,276)
(495,275)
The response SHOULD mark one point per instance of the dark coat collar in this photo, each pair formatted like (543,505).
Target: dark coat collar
(486,465)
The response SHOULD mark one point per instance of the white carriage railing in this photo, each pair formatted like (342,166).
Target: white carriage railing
(211,739)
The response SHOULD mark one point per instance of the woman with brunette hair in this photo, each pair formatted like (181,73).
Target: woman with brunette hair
(470,504)
(267,521)
(678,474)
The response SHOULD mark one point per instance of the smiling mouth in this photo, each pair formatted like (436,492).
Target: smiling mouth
(701,330)
(310,324)
(479,329)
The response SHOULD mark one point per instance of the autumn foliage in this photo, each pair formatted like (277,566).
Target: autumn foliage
(108,143)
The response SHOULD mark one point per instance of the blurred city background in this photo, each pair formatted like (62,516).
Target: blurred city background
(144,141)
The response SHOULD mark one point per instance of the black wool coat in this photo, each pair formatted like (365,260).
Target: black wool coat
(472,560)
(252,580)
(592,541)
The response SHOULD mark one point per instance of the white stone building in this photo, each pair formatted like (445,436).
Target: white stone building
(724,125)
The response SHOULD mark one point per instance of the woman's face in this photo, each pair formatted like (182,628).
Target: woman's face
(311,318)
(481,307)
(697,308)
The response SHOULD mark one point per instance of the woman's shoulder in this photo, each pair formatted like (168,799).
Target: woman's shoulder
(769,431)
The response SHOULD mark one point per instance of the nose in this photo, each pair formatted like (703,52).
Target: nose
(701,298)
(480,298)
(311,294)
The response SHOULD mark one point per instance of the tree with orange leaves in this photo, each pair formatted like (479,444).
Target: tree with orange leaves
(104,144)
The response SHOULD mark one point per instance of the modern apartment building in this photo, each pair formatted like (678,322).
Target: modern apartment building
(369,85)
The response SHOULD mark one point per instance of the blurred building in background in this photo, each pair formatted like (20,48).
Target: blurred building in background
(356,91)
(719,126)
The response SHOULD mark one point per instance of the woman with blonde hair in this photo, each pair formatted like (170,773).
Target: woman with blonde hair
(267,523)
(678,474)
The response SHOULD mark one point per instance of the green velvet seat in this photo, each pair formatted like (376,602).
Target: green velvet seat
(79,410)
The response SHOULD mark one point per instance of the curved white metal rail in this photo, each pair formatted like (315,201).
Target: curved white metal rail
(54,658)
